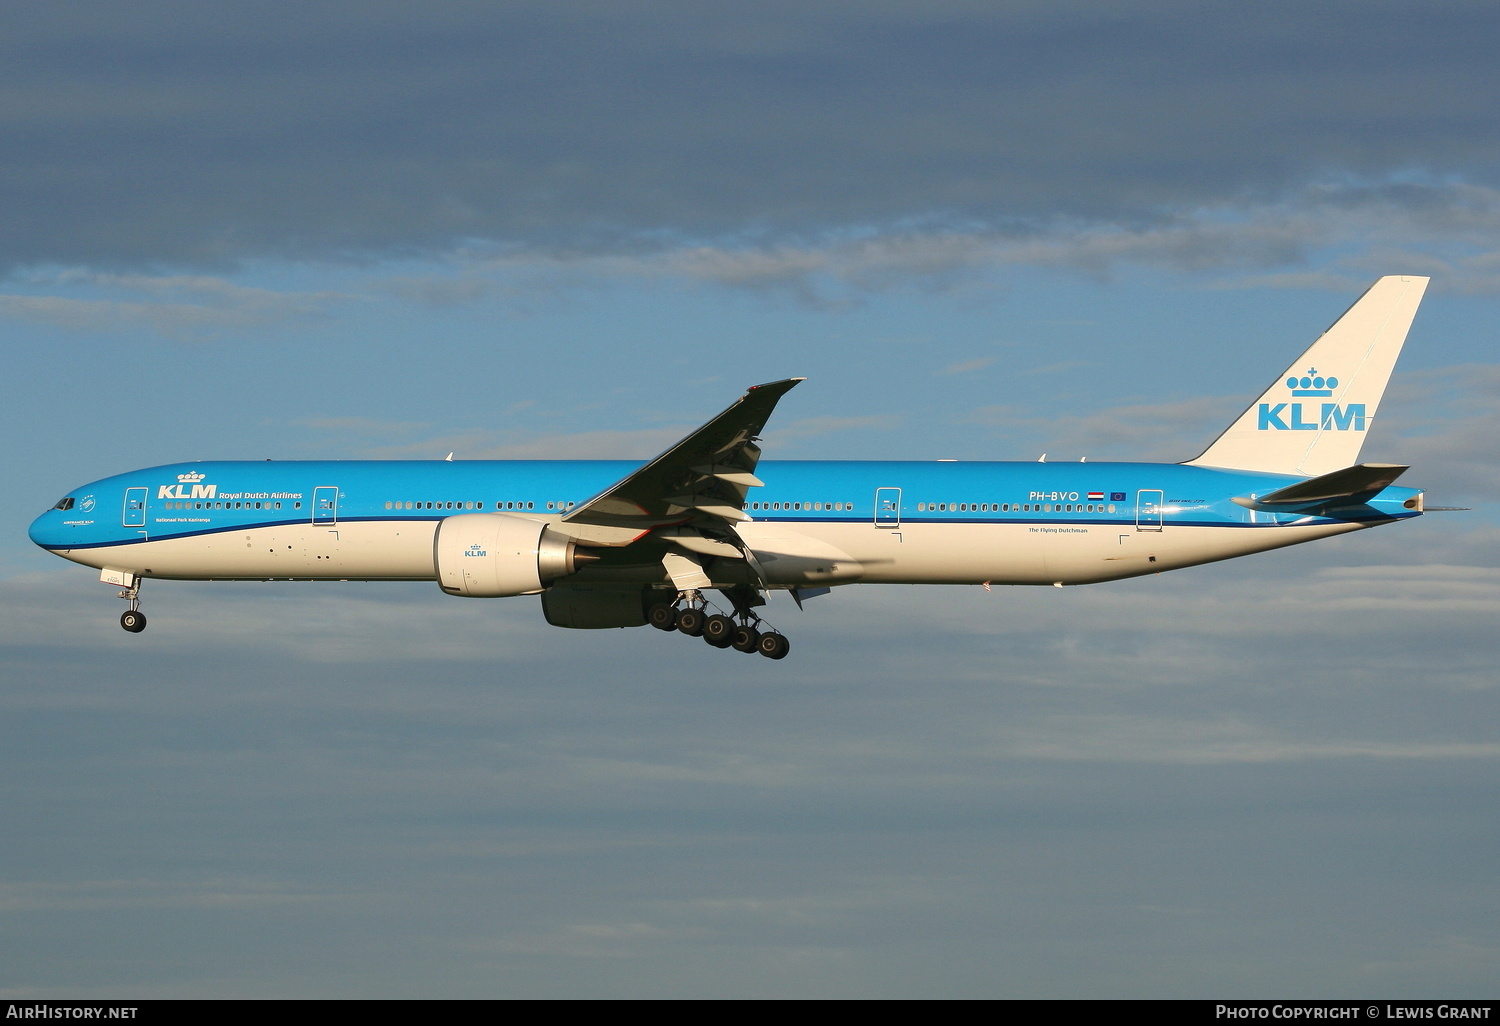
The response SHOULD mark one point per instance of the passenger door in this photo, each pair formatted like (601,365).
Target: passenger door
(134,512)
(888,508)
(1148,509)
(325,505)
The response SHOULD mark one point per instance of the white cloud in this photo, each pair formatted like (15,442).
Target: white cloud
(96,896)
(1171,431)
(966,366)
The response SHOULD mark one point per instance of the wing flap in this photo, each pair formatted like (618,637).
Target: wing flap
(692,541)
(736,477)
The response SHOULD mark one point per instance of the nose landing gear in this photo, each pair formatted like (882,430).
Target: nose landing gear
(133,620)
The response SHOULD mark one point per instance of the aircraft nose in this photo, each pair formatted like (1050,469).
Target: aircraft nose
(49,530)
(42,530)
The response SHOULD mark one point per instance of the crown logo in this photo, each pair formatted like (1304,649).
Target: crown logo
(1312,384)
(192,477)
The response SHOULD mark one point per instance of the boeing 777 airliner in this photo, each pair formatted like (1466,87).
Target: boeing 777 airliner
(612,544)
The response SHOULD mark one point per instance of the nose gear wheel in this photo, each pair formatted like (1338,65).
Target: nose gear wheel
(133,620)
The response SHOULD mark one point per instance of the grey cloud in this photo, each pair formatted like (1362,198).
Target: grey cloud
(379,790)
(1444,423)
(186,308)
(189,134)
(97,896)
(1338,239)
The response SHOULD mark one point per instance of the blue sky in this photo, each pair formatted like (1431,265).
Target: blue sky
(981,232)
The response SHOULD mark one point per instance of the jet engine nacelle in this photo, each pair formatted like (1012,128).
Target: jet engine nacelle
(489,555)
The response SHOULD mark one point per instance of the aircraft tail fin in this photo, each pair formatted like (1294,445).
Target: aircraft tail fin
(1312,420)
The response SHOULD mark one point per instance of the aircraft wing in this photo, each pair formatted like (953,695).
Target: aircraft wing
(696,488)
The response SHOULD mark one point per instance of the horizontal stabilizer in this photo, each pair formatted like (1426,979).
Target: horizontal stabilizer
(1350,485)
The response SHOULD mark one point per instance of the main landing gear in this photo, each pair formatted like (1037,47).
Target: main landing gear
(689,616)
(133,620)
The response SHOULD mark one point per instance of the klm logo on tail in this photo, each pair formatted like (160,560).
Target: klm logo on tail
(1297,416)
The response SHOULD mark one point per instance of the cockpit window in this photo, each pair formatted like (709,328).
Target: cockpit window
(64,503)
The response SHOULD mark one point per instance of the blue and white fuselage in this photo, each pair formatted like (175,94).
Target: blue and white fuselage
(813,522)
(615,544)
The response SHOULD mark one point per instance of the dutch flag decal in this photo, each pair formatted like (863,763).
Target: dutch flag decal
(1096,495)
